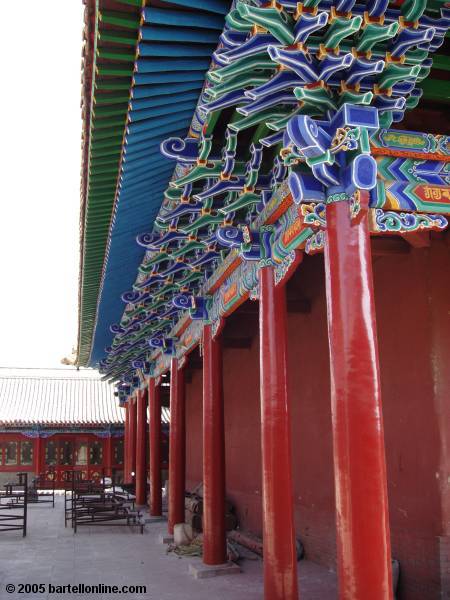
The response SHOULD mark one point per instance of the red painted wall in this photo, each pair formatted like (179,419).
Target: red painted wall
(242,434)
(413,304)
(309,395)
(194,439)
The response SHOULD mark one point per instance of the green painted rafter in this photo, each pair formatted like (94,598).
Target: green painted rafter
(112,55)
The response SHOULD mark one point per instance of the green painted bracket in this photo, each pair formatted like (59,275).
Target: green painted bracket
(340,29)
(189,246)
(279,123)
(203,221)
(423,73)
(236,83)
(212,169)
(243,66)
(160,303)
(355,98)
(273,20)
(325,158)
(385,119)
(191,278)
(154,260)
(235,21)
(374,34)
(165,290)
(243,201)
(254,119)
(316,97)
(173,194)
(415,57)
(412,10)
(394,73)
(205,148)
(231,143)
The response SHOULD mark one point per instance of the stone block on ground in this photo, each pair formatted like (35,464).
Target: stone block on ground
(201,571)
(166,538)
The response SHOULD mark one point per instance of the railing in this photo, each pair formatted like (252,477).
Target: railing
(13,505)
(42,490)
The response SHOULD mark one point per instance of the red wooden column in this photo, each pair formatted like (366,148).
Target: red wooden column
(177,446)
(363,539)
(132,431)
(126,445)
(154,399)
(37,448)
(280,560)
(141,447)
(108,456)
(214,540)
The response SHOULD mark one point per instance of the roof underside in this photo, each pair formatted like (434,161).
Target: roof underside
(171,61)
(130,57)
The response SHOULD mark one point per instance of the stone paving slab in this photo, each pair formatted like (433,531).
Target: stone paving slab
(52,554)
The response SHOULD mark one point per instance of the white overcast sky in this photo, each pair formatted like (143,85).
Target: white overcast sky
(40,180)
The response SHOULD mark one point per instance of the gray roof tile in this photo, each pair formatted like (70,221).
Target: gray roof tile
(56,397)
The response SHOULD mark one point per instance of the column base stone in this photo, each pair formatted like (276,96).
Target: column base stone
(199,570)
(166,538)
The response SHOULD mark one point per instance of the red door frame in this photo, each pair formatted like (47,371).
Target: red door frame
(16,437)
(89,471)
(115,465)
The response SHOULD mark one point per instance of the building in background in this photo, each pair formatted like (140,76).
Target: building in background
(56,421)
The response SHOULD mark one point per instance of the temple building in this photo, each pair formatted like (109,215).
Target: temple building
(55,421)
(265,252)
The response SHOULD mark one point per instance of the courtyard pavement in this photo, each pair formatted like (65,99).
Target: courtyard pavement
(51,554)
